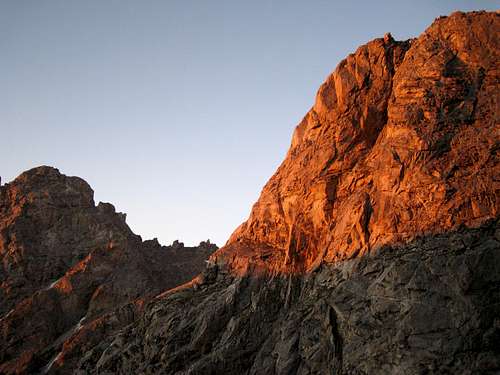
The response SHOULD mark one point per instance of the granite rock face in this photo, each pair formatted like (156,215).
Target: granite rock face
(70,268)
(431,306)
(375,247)
(401,141)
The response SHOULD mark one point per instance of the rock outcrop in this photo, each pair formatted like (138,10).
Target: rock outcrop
(72,271)
(374,249)
(431,306)
(401,141)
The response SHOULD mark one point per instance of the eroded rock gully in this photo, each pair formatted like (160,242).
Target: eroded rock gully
(374,248)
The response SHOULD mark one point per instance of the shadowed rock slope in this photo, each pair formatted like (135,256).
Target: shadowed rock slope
(431,306)
(71,268)
(375,247)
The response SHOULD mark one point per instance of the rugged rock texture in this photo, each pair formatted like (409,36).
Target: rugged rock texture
(374,249)
(403,140)
(429,307)
(70,267)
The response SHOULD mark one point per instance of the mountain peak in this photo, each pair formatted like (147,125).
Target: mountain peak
(400,142)
(70,268)
(373,249)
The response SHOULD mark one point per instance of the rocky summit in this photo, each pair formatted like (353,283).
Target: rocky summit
(402,141)
(72,272)
(374,248)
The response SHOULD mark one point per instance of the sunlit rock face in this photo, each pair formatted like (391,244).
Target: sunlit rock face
(402,141)
(72,271)
(375,247)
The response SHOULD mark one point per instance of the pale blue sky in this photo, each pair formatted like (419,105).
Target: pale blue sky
(177,112)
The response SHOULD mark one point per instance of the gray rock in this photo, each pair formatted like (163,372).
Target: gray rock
(429,307)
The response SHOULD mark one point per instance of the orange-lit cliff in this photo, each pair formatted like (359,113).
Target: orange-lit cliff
(402,141)
(374,248)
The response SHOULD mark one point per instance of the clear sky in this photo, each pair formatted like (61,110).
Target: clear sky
(177,112)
